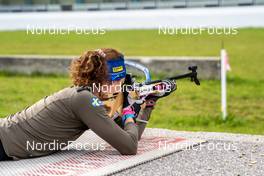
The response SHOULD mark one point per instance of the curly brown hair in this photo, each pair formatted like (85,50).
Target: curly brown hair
(91,67)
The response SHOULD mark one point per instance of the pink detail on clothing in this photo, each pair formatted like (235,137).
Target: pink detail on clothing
(128,110)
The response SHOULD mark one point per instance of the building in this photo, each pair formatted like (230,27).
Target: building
(84,5)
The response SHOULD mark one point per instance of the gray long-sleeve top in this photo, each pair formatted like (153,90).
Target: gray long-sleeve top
(62,117)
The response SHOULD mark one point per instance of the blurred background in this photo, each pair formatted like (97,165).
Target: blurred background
(67,5)
(38,39)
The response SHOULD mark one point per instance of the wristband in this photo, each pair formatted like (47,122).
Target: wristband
(127,116)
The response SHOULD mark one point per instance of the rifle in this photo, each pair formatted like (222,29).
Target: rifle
(140,90)
(150,87)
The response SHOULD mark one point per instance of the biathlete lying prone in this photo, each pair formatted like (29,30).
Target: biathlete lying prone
(66,114)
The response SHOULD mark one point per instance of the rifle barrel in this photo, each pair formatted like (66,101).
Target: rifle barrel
(187,75)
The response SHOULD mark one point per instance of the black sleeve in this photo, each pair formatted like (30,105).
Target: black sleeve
(96,118)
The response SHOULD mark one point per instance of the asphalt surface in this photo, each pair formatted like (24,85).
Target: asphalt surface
(223,154)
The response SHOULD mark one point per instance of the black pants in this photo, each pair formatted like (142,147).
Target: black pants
(3,156)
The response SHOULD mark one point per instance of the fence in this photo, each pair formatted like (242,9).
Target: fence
(208,67)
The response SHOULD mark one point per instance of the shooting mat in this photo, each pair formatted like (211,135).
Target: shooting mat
(154,144)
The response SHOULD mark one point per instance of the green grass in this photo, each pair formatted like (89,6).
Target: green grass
(189,108)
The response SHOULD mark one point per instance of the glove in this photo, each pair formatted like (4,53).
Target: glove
(166,87)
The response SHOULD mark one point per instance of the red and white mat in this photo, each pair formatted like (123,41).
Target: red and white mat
(154,143)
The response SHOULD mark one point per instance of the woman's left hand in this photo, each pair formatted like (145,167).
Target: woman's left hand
(131,108)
